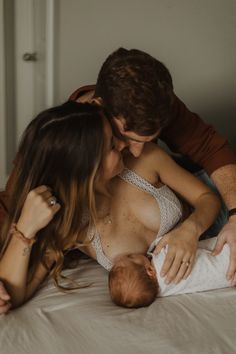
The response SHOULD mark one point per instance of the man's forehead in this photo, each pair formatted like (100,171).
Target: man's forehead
(118,125)
(139,138)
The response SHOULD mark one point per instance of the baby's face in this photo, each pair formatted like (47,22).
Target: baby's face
(128,259)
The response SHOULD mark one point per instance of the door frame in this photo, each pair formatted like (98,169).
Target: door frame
(16,104)
(3,173)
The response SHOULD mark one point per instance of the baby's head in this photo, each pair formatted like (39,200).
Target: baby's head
(133,281)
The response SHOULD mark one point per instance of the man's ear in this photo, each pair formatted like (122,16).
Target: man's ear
(151,271)
(97,100)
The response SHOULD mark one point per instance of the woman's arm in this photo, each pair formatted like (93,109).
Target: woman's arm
(38,277)
(14,264)
(182,241)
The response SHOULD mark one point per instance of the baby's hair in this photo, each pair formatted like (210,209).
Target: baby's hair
(131,286)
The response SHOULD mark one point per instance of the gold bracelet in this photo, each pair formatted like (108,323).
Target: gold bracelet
(15,232)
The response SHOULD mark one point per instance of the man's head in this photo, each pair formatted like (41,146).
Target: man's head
(132,281)
(137,91)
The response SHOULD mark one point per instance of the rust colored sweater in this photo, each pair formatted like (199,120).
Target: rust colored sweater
(186,134)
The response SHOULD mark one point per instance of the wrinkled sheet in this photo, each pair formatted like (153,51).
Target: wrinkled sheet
(87,322)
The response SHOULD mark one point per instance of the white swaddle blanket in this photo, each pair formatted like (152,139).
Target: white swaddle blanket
(209,272)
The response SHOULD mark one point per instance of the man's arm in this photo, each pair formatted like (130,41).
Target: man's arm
(225,181)
(189,135)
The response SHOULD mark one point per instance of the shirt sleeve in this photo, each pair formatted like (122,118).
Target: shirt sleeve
(189,135)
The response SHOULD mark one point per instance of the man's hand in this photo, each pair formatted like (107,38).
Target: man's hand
(5,304)
(180,255)
(228,235)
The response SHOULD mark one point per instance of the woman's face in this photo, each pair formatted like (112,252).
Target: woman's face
(112,162)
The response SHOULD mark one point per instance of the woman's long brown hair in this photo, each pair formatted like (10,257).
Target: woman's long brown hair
(61,148)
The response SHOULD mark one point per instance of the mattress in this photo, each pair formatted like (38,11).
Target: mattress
(85,321)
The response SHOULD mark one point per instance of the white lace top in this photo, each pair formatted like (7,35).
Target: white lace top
(170,213)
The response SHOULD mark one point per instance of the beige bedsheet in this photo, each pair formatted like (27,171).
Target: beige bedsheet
(86,322)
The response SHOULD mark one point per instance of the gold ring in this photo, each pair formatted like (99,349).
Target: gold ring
(52,201)
(186,263)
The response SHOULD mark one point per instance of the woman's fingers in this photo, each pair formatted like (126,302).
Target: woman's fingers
(4,299)
(42,189)
(174,269)
(184,271)
(56,207)
(162,243)
(167,263)
(3,293)
(181,266)
(189,270)
(5,308)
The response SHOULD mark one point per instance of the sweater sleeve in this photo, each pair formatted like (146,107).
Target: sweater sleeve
(189,135)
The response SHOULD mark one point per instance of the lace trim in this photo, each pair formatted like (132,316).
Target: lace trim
(170,212)
(169,205)
(97,245)
(134,179)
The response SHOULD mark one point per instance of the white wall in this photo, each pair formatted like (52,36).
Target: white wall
(196,40)
(2,102)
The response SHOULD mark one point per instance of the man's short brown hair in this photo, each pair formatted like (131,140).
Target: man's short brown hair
(138,87)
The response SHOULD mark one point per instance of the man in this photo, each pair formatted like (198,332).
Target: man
(137,91)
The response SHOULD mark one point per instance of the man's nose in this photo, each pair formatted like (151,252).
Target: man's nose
(136,148)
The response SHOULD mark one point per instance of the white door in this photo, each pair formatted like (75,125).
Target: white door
(26,70)
(30,48)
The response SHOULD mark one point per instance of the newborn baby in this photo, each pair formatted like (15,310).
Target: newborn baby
(135,281)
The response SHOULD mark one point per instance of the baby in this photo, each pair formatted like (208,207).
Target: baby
(135,281)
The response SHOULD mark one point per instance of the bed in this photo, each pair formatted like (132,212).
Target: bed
(87,322)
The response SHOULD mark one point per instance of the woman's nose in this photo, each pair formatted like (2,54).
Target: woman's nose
(120,144)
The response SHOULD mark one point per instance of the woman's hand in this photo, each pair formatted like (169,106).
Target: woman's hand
(5,303)
(181,252)
(38,210)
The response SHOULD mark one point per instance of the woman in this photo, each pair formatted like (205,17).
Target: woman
(140,207)
(57,166)
(66,196)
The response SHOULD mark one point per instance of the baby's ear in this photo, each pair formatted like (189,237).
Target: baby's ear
(151,271)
